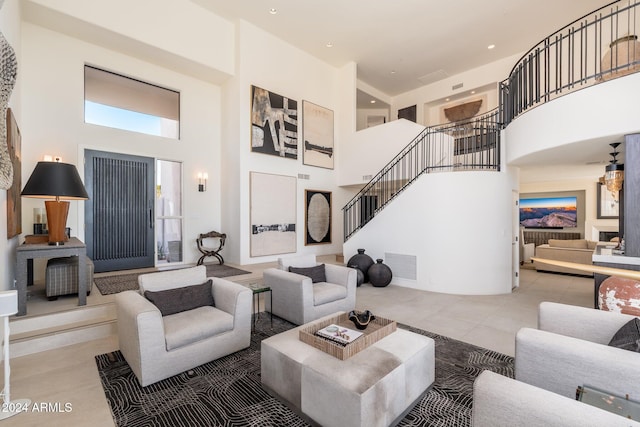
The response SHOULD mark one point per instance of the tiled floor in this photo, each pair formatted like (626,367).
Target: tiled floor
(69,375)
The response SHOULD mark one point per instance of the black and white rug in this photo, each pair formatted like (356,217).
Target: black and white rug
(227,391)
(108,285)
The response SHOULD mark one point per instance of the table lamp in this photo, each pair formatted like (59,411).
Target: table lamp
(62,182)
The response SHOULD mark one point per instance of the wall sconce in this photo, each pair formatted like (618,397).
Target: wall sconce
(202,181)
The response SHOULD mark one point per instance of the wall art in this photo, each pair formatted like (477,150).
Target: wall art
(317,217)
(317,134)
(14,201)
(272,214)
(274,124)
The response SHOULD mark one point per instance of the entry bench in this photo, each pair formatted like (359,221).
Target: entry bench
(376,387)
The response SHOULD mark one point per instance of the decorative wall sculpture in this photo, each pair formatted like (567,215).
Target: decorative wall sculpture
(274,124)
(317,134)
(273,214)
(8,74)
(317,217)
(14,201)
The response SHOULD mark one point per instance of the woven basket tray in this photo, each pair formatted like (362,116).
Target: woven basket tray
(377,329)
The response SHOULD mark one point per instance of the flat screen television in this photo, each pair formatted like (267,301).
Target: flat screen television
(549,212)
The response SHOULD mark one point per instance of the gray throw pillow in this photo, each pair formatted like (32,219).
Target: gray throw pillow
(316,273)
(628,336)
(176,300)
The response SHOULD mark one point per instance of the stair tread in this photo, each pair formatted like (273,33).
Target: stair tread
(61,328)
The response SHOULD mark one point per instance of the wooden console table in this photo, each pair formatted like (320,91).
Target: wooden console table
(26,253)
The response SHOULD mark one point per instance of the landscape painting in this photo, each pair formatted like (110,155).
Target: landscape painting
(549,212)
(274,124)
(273,214)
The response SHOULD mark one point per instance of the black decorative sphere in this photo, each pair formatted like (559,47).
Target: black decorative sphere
(379,274)
(362,262)
(359,273)
(361,319)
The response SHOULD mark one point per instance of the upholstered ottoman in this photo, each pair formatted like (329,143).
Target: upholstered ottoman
(61,277)
(375,387)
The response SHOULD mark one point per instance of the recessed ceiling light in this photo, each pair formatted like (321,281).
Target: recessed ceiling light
(447,99)
(472,92)
(329,44)
(373,101)
(491,46)
(393,71)
(273,11)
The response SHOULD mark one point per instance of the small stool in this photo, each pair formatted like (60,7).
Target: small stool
(61,277)
(620,295)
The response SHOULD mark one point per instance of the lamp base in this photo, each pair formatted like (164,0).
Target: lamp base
(14,407)
(57,212)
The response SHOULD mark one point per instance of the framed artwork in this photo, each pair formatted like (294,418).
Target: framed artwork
(317,217)
(317,134)
(608,206)
(14,201)
(274,124)
(272,214)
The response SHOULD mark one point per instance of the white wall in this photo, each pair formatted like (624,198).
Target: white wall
(456,224)
(272,64)
(10,26)
(53,123)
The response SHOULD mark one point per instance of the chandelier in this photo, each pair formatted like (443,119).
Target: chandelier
(614,172)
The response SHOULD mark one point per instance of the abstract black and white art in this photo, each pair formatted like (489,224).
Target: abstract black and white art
(317,217)
(317,134)
(274,124)
(273,214)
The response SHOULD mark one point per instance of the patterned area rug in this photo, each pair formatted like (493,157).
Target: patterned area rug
(227,391)
(129,282)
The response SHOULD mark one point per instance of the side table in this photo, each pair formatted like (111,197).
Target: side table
(25,255)
(257,289)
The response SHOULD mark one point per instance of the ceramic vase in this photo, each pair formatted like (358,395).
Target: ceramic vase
(360,274)
(362,263)
(380,274)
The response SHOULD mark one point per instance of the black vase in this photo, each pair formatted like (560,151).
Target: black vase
(379,274)
(359,273)
(362,263)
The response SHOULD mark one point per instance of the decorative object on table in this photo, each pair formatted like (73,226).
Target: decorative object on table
(379,274)
(62,182)
(620,295)
(360,277)
(361,318)
(273,214)
(274,124)
(207,251)
(317,217)
(317,134)
(9,68)
(14,202)
(339,334)
(362,261)
(9,307)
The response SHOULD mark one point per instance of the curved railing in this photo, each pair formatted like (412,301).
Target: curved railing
(473,144)
(599,46)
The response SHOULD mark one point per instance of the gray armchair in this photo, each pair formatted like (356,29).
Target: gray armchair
(569,349)
(298,300)
(157,347)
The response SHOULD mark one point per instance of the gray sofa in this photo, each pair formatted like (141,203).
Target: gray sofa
(298,300)
(157,347)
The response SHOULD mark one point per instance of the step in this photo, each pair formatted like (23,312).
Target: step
(27,324)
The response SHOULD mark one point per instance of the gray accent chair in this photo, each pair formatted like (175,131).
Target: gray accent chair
(298,300)
(569,349)
(499,401)
(158,347)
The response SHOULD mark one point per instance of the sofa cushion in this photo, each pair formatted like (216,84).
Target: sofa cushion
(176,300)
(572,244)
(628,336)
(591,244)
(187,327)
(324,292)
(316,273)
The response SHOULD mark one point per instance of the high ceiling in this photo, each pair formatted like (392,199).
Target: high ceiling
(402,45)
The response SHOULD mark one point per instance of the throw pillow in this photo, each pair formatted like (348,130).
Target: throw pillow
(176,300)
(628,336)
(316,273)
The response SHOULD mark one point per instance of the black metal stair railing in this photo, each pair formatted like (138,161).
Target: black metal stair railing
(601,45)
(473,144)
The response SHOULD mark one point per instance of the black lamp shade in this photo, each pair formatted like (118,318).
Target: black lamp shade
(54,179)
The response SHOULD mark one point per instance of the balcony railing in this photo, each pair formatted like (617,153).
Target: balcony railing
(599,46)
(472,144)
